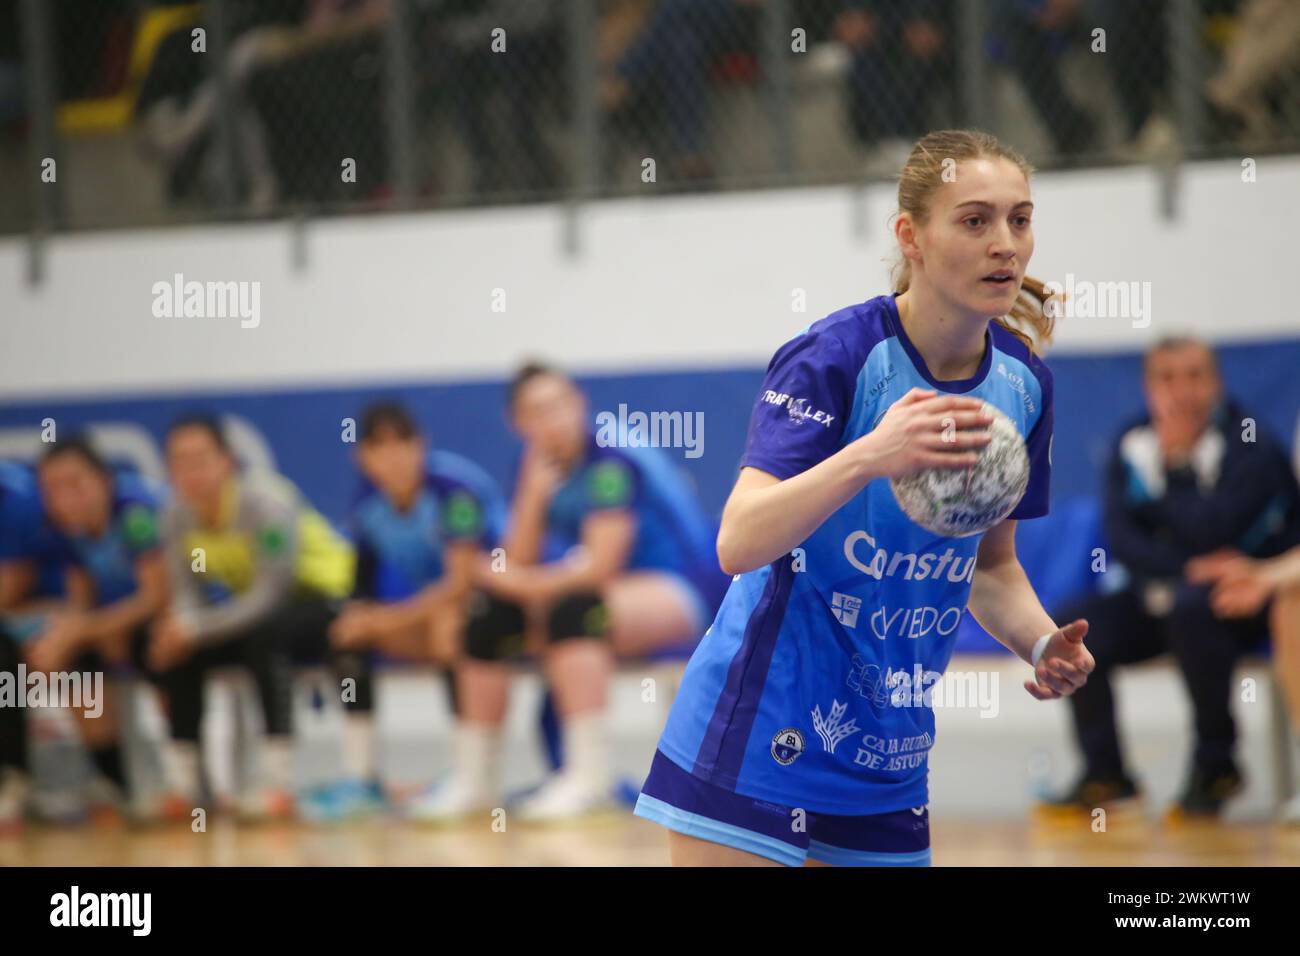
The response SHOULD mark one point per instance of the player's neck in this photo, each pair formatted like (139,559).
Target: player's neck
(404,500)
(98,525)
(951,342)
(209,513)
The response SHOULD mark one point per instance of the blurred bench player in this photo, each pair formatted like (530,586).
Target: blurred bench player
(115,584)
(607,554)
(32,558)
(256,577)
(422,519)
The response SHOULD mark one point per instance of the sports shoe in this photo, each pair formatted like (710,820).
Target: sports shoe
(265,805)
(1288,815)
(1207,791)
(106,802)
(451,801)
(562,797)
(162,807)
(344,800)
(1089,793)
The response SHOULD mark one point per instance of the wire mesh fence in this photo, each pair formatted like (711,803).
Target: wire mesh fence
(138,112)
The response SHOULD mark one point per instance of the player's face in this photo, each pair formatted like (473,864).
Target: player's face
(393,464)
(1181,382)
(977,237)
(75,494)
(198,466)
(551,415)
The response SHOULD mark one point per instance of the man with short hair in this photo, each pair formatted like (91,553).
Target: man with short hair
(1245,586)
(1195,477)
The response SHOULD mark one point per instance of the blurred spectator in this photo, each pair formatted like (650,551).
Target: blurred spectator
(305,83)
(1184,482)
(177,109)
(663,78)
(507,149)
(319,93)
(1242,587)
(1137,58)
(92,38)
(1262,54)
(12,105)
(1030,37)
(901,56)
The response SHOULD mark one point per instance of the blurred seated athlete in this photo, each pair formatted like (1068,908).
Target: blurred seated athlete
(115,584)
(32,560)
(33,554)
(1243,586)
(422,519)
(1189,480)
(256,576)
(607,554)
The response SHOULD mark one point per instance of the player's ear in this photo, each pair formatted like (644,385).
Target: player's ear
(905,233)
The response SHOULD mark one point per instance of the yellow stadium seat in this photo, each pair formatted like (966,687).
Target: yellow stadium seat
(112,113)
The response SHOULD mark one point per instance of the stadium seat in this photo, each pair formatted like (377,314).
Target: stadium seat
(112,113)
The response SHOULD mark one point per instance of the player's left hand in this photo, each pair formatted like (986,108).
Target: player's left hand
(1065,664)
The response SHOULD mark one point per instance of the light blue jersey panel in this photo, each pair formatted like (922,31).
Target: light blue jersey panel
(809,688)
(110,560)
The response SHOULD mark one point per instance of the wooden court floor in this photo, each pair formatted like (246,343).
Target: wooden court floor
(618,839)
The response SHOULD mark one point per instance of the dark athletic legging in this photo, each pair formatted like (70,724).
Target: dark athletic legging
(295,634)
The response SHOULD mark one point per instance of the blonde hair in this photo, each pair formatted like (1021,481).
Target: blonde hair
(923,173)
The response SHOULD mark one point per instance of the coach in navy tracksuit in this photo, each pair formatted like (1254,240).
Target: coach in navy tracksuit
(1195,476)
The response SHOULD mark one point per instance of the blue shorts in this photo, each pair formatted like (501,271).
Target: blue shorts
(680,801)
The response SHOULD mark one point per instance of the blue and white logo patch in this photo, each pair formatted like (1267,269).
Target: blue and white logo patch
(786,746)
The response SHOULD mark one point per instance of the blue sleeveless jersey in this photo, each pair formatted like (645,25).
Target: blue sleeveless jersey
(399,553)
(804,691)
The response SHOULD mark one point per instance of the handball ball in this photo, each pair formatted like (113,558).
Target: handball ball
(957,503)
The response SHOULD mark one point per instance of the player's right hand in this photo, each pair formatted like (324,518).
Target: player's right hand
(539,475)
(1065,664)
(924,429)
